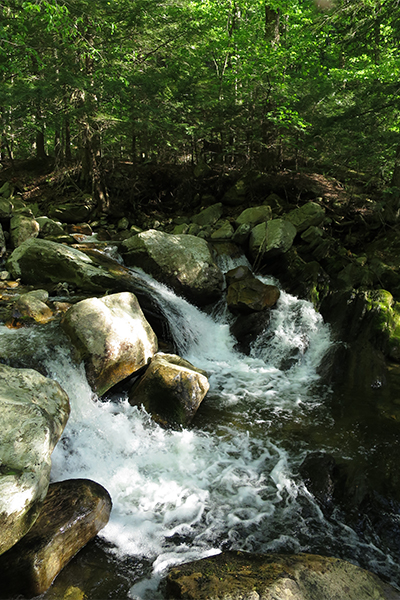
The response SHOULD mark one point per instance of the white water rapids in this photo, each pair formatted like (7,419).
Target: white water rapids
(224,483)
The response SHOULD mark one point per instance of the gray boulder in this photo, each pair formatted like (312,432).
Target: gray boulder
(34,412)
(246,576)
(272,238)
(255,215)
(224,231)
(308,215)
(184,262)
(32,307)
(209,216)
(171,390)
(73,512)
(112,337)
(22,228)
(39,262)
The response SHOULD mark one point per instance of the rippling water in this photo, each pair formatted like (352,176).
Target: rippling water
(230,480)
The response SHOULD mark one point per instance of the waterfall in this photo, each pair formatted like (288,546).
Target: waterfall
(227,482)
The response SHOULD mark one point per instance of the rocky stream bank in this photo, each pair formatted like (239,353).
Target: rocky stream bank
(61,268)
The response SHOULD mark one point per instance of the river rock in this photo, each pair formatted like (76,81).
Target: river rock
(34,412)
(224,231)
(77,211)
(247,327)
(247,294)
(308,215)
(245,576)
(112,337)
(32,307)
(183,262)
(39,262)
(22,228)
(255,215)
(272,238)
(73,512)
(172,389)
(209,216)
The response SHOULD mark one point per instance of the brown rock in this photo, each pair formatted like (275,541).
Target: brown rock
(172,389)
(73,512)
(248,294)
(247,576)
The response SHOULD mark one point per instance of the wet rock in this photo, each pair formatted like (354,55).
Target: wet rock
(112,336)
(34,412)
(319,473)
(38,261)
(246,576)
(183,262)
(32,307)
(172,389)
(247,294)
(247,328)
(73,512)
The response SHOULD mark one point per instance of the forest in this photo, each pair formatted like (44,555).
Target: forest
(241,83)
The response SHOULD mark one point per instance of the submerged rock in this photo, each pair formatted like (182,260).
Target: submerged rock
(111,336)
(172,389)
(34,411)
(183,262)
(73,512)
(246,576)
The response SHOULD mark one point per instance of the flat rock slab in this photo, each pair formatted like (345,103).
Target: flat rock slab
(73,512)
(246,576)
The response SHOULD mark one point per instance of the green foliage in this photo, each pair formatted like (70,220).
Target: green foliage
(157,78)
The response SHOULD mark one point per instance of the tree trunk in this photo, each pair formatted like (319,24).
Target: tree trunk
(40,149)
(395,182)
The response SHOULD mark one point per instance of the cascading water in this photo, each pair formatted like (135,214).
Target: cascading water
(228,482)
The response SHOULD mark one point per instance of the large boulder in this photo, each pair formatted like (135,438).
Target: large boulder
(308,215)
(272,238)
(184,262)
(172,389)
(112,337)
(255,215)
(22,228)
(39,262)
(34,412)
(245,576)
(73,512)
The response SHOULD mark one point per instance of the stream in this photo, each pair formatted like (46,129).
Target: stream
(230,480)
